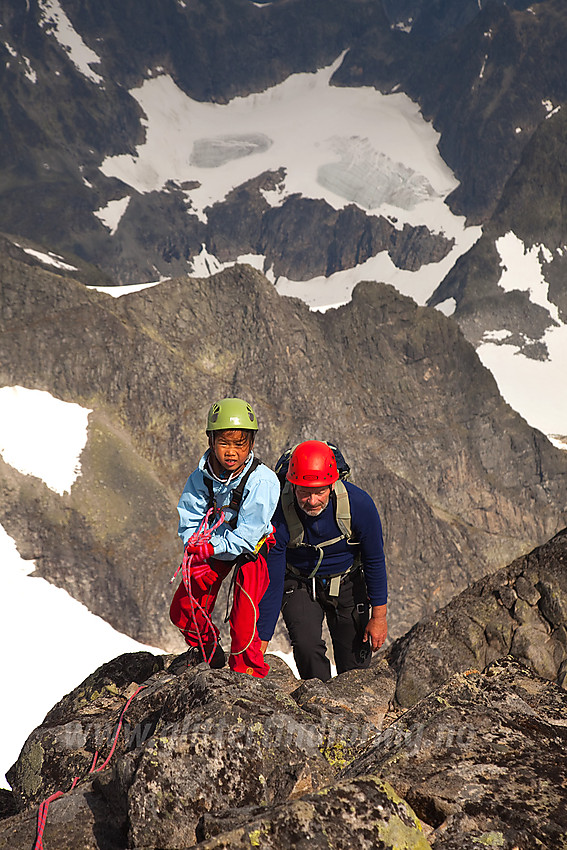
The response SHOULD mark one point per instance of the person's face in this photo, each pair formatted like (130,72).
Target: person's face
(312,500)
(230,449)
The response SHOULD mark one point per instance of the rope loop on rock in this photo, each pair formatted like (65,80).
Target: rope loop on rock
(44,806)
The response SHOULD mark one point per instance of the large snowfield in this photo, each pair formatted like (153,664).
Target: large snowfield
(341,145)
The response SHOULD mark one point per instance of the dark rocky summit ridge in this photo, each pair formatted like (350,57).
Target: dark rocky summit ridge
(217,760)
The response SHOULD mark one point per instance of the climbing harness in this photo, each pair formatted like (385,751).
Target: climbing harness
(44,806)
(202,535)
(235,496)
(341,508)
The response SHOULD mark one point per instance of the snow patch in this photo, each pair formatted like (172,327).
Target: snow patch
(111,214)
(28,69)
(69,645)
(521,270)
(534,388)
(49,259)
(127,289)
(550,108)
(447,307)
(56,21)
(496,336)
(42,436)
(205,264)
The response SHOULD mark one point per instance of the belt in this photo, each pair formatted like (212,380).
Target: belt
(334,580)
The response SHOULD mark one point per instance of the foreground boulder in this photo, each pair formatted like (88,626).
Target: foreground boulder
(191,744)
(482,760)
(220,760)
(520,610)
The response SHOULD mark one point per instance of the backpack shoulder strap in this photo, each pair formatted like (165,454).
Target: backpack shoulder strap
(342,509)
(235,496)
(212,498)
(294,524)
(238,492)
(341,506)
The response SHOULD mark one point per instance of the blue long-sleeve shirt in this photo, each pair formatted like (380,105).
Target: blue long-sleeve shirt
(259,500)
(366,528)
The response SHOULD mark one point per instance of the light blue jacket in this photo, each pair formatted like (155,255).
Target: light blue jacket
(259,501)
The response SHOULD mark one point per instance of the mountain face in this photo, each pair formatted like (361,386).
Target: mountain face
(82,172)
(530,213)
(483,76)
(462,483)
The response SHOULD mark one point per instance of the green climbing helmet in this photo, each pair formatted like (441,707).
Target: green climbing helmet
(231,413)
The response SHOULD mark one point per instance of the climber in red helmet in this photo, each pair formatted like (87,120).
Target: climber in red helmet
(328,562)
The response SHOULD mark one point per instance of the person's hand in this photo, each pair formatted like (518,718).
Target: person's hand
(376,630)
(264,645)
(203,551)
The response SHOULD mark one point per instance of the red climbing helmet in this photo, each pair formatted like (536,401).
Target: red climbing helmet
(312,464)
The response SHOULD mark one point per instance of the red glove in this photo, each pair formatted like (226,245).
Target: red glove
(203,551)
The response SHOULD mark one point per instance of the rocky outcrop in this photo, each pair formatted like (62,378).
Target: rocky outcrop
(481,760)
(531,211)
(196,745)
(520,610)
(305,238)
(214,759)
(462,483)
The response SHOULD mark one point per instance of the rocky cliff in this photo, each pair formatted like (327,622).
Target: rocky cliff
(520,610)
(217,760)
(462,483)
(530,212)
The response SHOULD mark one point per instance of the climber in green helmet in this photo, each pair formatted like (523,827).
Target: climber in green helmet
(237,488)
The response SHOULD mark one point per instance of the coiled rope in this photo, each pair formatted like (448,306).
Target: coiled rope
(202,535)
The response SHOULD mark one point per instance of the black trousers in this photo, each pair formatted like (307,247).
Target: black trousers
(346,615)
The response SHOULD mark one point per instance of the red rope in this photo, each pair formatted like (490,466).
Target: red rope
(202,535)
(44,806)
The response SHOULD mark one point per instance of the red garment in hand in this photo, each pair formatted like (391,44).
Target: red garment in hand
(251,583)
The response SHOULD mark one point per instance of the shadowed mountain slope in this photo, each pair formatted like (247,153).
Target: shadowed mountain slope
(462,483)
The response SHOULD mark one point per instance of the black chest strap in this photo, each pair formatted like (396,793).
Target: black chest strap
(235,496)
